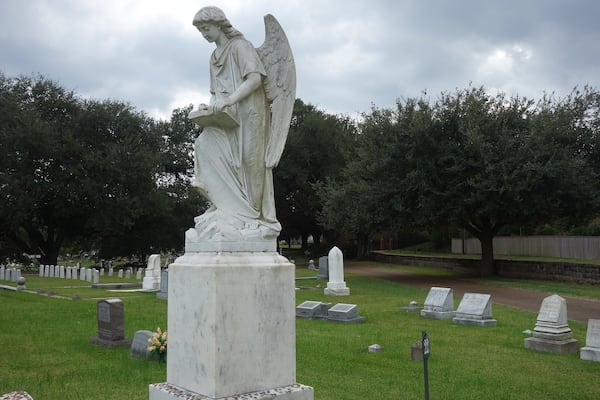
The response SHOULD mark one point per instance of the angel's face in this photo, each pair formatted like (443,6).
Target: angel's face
(210,31)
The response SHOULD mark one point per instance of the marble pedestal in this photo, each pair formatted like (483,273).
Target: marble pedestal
(231,324)
(566,346)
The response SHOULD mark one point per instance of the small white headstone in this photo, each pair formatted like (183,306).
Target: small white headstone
(591,351)
(336,285)
(439,303)
(475,309)
(152,275)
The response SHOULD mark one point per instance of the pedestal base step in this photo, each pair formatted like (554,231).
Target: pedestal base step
(167,391)
(552,346)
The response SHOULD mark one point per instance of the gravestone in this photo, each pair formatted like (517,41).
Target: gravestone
(139,345)
(68,273)
(323,267)
(439,303)
(52,271)
(46,271)
(311,265)
(2,273)
(313,310)
(110,271)
(120,274)
(411,307)
(82,274)
(475,309)
(61,271)
(163,294)
(41,271)
(344,313)
(89,274)
(336,285)
(96,276)
(591,351)
(111,324)
(74,273)
(152,276)
(552,333)
(138,275)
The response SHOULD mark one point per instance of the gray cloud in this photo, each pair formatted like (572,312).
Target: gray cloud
(350,54)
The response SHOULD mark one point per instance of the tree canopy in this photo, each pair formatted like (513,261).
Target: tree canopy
(85,170)
(473,160)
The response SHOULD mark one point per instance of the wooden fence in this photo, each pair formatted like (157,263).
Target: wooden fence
(579,247)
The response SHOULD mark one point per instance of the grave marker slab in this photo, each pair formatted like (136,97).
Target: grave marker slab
(313,310)
(552,333)
(111,324)
(475,309)
(439,303)
(342,312)
(591,351)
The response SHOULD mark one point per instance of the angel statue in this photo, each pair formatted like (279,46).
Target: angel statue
(245,126)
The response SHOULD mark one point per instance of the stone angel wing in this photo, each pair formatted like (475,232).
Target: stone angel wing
(280,87)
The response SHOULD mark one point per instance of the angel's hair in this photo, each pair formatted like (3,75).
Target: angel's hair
(214,15)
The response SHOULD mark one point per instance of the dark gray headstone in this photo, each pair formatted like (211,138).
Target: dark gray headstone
(111,324)
(324,267)
(163,294)
(139,345)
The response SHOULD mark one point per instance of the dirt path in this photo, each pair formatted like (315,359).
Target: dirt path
(578,309)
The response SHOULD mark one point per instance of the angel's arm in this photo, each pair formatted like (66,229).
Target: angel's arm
(252,82)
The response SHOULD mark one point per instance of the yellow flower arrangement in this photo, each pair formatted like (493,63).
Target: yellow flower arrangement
(158,344)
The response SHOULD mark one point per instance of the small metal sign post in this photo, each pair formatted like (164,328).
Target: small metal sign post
(425,347)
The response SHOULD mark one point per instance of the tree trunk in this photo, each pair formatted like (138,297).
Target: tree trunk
(304,241)
(488,267)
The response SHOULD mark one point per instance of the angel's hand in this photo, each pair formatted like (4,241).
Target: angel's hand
(221,103)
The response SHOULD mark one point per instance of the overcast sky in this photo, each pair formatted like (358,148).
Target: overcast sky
(350,54)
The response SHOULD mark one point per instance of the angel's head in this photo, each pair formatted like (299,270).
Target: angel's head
(215,16)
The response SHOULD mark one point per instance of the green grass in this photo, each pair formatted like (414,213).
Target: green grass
(46,349)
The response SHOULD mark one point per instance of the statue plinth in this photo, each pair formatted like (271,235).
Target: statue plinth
(231,324)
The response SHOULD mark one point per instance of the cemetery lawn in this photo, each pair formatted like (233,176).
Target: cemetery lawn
(47,353)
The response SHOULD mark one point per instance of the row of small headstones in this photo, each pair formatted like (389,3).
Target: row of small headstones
(86,274)
(9,274)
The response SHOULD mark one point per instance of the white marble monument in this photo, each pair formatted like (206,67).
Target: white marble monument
(336,285)
(591,351)
(231,296)
(552,333)
(152,275)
